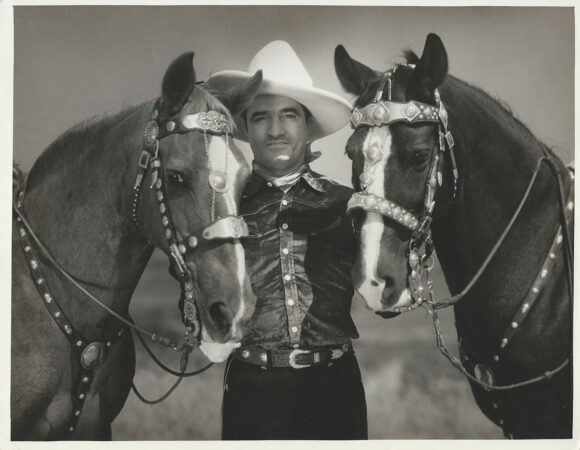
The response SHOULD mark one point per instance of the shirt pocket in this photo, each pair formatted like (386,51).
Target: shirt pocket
(261,218)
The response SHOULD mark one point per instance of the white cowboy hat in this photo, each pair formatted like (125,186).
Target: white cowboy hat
(285,75)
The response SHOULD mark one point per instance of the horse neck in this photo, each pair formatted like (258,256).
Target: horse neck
(78,203)
(497,157)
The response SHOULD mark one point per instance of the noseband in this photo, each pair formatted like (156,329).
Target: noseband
(381,113)
(229,227)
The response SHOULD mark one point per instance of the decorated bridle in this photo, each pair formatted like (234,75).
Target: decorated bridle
(91,354)
(381,113)
(229,227)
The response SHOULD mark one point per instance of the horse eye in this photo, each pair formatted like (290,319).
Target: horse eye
(175,177)
(419,158)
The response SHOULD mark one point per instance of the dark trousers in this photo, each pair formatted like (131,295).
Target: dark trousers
(319,402)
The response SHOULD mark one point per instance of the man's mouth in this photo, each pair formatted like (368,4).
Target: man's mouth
(277,144)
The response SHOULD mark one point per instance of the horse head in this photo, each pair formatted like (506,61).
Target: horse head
(394,153)
(196,174)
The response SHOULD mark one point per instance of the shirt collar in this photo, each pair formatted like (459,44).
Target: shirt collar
(257,182)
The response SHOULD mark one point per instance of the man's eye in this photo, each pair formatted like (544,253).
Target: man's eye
(290,116)
(258,119)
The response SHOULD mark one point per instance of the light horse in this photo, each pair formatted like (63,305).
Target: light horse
(98,200)
(439,163)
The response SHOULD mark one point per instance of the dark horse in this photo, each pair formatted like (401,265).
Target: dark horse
(432,153)
(162,174)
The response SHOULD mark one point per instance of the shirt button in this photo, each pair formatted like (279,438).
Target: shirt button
(284,202)
(285,226)
(269,184)
(285,251)
(287,277)
(290,302)
(294,329)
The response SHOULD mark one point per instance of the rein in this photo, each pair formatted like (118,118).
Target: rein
(380,113)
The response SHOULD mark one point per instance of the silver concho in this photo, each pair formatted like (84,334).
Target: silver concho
(189,310)
(151,133)
(483,374)
(218,181)
(92,355)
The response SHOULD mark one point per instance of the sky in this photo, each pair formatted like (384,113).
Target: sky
(74,62)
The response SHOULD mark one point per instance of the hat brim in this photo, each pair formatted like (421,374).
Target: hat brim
(330,111)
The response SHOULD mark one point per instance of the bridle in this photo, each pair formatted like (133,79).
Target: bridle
(383,113)
(91,354)
(229,227)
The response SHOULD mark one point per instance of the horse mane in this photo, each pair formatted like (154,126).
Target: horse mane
(78,140)
(410,56)
(496,108)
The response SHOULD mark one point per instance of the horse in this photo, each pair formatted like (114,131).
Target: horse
(93,207)
(438,164)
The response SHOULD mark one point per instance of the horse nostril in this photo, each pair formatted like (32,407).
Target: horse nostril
(389,283)
(374,283)
(221,316)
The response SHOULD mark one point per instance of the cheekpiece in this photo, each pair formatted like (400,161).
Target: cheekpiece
(385,112)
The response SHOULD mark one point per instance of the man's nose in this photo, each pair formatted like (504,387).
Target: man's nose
(275,129)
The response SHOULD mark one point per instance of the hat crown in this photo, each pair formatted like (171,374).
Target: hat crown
(279,62)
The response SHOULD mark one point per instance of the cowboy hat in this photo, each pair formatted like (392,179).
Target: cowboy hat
(285,75)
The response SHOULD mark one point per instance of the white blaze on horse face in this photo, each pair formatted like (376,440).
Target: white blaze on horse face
(371,287)
(223,159)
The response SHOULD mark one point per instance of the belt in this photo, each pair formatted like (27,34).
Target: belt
(297,358)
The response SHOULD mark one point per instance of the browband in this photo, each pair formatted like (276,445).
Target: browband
(210,121)
(385,112)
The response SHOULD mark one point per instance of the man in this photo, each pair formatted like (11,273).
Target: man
(295,375)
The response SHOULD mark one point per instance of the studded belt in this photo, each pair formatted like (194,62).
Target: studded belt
(296,358)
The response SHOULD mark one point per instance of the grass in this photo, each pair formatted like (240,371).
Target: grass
(412,391)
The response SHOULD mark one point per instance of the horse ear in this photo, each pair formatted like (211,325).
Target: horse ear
(429,72)
(354,76)
(178,83)
(240,97)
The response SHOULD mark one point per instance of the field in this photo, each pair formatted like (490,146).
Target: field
(412,391)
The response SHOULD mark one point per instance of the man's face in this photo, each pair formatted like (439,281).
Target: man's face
(277,131)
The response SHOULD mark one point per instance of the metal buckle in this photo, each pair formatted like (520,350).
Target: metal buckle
(144,159)
(292,358)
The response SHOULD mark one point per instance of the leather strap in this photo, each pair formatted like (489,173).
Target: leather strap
(88,354)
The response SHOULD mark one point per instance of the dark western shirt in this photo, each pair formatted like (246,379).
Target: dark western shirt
(299,255)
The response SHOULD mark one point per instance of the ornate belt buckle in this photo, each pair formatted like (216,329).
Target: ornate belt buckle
(292,358)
